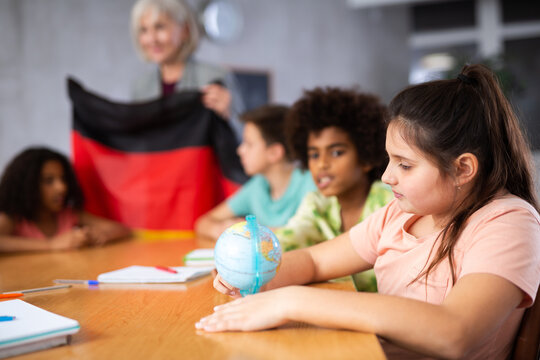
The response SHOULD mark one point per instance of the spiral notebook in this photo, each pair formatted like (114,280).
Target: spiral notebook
(32,328)
(151,274)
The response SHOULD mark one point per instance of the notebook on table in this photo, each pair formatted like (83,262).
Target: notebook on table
(151,274)
(32,329)
(199,257)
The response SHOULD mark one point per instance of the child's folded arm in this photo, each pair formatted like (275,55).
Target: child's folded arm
(214,222)
(101,230)
(13,243)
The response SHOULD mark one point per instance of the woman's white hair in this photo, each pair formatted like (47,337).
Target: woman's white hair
(178,11)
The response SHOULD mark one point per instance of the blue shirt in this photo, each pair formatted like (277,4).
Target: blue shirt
(254,198)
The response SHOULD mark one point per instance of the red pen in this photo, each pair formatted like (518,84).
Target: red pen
(167,269)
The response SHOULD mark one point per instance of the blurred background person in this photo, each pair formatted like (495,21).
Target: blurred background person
(41,206)
(277,185)
(165,32)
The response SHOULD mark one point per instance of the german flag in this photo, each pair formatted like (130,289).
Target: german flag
(154,166)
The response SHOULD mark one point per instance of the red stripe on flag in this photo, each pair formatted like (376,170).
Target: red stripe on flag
(165,190)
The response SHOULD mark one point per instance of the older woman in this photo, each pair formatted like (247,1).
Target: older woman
(165,32)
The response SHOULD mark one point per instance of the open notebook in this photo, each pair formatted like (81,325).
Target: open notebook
(32,329)
(151,274)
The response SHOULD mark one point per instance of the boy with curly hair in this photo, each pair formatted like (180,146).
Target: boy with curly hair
(339,135)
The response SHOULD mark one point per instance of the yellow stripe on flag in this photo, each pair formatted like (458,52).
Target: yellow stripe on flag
(145,235)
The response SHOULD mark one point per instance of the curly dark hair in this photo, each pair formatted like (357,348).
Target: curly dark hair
(362,116)
(20,184)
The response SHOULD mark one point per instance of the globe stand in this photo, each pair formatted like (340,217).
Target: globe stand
(253,227)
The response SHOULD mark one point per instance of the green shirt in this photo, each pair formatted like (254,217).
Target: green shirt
(318,219)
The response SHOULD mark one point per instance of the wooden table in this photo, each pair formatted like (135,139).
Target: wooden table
(156,321)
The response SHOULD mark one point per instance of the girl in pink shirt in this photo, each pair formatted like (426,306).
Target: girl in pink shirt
(456,253)
(41,206)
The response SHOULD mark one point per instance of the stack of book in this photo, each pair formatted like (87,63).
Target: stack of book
(25,328)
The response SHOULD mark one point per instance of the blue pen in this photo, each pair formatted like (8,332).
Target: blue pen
(6,318)
(66,281)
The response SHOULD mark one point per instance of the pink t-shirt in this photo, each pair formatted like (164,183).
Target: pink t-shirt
(502,238)
(67,219)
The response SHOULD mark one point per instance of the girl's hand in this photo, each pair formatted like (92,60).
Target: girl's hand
(97,236)
(254,312)
(223,287)
(218,99)
(72,239)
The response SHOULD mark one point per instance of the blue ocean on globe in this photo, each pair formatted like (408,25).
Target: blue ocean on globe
(247,255)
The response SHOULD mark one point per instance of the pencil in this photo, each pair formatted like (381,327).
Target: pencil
(10,295)
(37,289)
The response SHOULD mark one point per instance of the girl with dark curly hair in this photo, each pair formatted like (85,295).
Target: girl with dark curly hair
(41,206)
(339,135)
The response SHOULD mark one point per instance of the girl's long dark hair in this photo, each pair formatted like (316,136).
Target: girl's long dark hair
(469,114)
(20,195)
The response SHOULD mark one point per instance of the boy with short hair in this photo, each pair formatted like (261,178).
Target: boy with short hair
(277,186)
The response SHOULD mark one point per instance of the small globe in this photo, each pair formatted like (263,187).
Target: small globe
(245,261)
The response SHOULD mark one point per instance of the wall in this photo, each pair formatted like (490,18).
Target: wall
(303,43)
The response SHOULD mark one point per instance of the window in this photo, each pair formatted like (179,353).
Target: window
(520,10)
(443,15)
(447,34)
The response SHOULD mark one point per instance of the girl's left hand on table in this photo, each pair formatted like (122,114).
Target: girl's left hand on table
(223,287)
(265,310)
